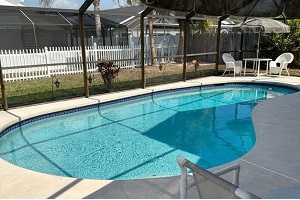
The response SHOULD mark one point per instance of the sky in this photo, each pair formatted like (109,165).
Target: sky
(74,4)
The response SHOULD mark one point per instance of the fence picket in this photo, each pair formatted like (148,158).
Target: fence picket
(69,61)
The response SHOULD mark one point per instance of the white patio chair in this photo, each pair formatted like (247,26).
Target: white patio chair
(281,63)
(231,64)
(211,185)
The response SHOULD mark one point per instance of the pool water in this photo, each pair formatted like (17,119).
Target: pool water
(141,138)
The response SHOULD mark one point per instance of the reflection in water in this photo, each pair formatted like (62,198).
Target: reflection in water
(208,132)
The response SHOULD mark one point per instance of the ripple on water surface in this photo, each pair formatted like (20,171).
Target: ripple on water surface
(141,138)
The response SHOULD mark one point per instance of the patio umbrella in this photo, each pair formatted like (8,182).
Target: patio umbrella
(261,25)
(265,25)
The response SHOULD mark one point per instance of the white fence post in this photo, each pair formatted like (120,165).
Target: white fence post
(95,52)
(162,54)
(95,56)
(132,54)
(46,61)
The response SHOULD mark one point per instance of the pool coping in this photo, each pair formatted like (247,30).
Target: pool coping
(132,98)
(30,184)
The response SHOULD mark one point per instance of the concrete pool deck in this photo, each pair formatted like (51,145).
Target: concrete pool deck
(274,161)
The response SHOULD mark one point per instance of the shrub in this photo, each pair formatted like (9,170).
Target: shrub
(108,72)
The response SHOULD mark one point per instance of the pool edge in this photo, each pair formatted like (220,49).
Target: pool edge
(14,176)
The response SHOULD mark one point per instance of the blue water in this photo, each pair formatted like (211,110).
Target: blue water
(141,138)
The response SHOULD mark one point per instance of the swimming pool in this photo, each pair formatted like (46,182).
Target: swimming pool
(140,137)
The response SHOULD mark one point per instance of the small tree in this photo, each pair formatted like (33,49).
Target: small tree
(108,72)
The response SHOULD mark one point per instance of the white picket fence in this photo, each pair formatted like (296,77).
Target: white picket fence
(38,63)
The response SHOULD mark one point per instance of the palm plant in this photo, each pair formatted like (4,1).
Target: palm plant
(96,4)
(152,42)
(154,59)
(181,23)
(45,3)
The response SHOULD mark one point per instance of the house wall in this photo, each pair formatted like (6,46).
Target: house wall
(11,39)
(165,39)
(137,32)
(53,38)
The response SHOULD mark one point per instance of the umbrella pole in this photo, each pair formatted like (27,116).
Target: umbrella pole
(282,36)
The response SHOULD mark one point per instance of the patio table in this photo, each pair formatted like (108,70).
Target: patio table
(256,64)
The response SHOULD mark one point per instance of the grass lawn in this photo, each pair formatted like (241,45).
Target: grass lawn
(43,90)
